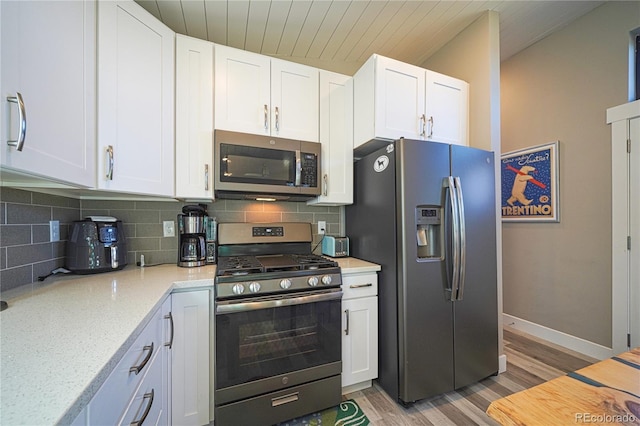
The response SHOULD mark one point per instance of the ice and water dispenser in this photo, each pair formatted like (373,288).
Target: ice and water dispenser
(429,233)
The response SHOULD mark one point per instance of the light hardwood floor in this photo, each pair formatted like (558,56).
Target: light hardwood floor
(530,361)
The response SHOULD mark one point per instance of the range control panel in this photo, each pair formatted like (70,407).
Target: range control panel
(268,231)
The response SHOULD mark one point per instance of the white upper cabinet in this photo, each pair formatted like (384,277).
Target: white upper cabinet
(194,118)
(48,60)
(336,137)
(446,109)
(294,101)
(259,95)
(242,91)
(393,99)
(136,72)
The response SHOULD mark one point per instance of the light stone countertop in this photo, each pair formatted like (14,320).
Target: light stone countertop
(59,341)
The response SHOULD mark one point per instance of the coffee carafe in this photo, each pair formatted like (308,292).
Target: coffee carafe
(192,250)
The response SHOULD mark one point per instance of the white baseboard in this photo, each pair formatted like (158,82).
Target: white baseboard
(568,341)
(502,364)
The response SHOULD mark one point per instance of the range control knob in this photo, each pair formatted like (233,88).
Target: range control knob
(238,289)
(285,284)
(254,287)
(313,281)
(326,280)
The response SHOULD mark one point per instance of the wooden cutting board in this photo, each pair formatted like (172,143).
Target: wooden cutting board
(607,392)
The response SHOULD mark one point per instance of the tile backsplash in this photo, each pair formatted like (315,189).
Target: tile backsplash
(26,253)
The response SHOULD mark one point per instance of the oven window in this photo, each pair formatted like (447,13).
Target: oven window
(257,344)
(246,164)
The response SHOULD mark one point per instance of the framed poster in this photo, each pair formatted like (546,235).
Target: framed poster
(529,181)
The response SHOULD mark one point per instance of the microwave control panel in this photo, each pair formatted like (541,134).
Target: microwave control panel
(309,170)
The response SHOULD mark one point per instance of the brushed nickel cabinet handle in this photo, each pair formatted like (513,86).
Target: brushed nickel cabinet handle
(277,120)
(169,316)
(110,162)
(361,285)
(206,177)
(22,118)
(325,180)
(149,396)
(266,117)
(346,330)
(138,368)
(431,127)
(423,125)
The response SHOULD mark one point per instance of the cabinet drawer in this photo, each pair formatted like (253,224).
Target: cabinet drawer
(109,403)
(359,285)
(146,406)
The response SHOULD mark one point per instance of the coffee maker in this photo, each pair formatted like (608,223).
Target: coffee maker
(192,249)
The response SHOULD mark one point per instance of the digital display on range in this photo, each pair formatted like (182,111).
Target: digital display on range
(268,231)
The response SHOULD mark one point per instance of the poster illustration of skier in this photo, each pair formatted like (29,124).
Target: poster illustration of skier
(529,180)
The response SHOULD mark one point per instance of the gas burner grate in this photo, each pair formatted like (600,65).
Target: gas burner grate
(313,261)
(238,265)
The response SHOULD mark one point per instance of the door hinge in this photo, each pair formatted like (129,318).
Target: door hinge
(628,340)
(629,146)
(629,242)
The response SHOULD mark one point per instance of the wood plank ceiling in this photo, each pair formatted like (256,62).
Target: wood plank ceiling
(340,35)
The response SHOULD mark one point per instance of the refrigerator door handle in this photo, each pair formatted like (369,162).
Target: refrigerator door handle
(461,239)
(455,232)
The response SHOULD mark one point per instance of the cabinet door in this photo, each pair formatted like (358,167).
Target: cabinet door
(190,358)
(242,91)
(136,100)
(447,109)
(294,101)
(168,333)
(359,340)
(194,118)
(336,137)
(48,56)
(399,102)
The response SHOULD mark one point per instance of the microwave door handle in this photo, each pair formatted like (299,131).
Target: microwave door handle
(298,168)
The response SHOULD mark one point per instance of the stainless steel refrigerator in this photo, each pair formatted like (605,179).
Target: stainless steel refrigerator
(425,212)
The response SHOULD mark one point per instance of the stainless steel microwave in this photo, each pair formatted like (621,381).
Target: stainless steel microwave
(254,167)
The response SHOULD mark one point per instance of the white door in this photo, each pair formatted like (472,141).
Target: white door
(48,56)
(625,222)
(399,103)
(359,340)
(242,91)
(136,72)
(294,101)
(446,112)
(190,358)
(336,137)
(194,118)
(634,232)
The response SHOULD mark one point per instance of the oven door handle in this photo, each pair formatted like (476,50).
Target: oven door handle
(229,307)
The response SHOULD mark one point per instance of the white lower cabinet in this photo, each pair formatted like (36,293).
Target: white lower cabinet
(164,376)
(359,331)
(134,389)
(190,380)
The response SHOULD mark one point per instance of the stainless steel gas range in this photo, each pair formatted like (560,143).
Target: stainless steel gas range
(278,325)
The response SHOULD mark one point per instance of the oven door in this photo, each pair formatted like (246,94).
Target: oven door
(271,343)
